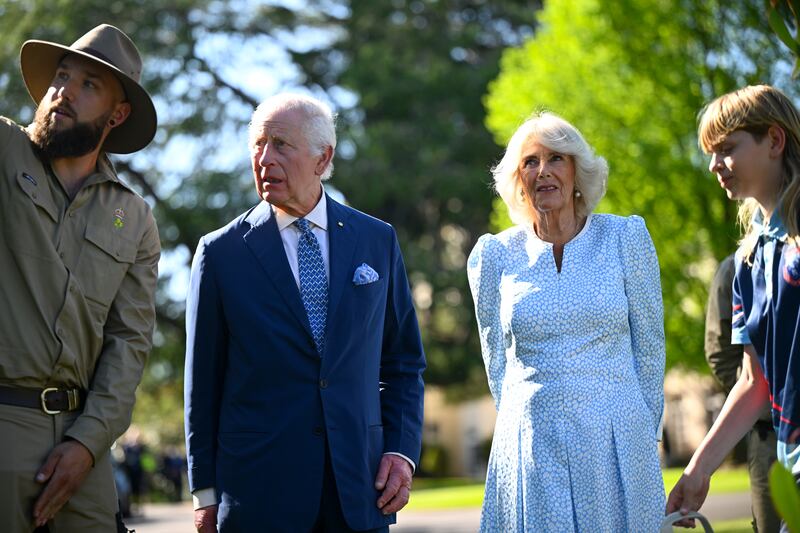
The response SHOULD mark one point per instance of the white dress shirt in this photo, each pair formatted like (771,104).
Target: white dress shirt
(290,235)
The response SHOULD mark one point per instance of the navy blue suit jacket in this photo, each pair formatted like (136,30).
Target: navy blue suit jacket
(260,401)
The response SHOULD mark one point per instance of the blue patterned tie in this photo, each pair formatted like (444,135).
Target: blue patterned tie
(313,282)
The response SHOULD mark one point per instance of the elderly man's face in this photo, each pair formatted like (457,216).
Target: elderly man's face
(286,171)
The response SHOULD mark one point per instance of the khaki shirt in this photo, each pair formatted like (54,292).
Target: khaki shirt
(77,284)
(724,358)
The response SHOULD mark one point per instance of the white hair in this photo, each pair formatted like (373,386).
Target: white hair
(555,133)
(319,126)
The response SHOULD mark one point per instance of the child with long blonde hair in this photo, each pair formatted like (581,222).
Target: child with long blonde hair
(753,137)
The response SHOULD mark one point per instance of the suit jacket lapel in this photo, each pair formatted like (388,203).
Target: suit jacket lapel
(264,241)
(342,239)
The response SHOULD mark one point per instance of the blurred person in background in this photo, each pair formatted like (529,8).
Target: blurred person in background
(172,468)
(725,360)
(134,464)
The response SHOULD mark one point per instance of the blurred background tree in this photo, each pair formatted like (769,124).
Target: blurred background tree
(632,76)
(784,18)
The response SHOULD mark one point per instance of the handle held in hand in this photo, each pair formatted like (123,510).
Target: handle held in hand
(666,524)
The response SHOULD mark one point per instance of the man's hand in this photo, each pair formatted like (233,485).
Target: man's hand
(64,470)
(394,479)
(688,495)
(205,519)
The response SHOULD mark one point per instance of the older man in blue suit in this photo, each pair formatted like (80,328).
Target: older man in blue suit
(304,361)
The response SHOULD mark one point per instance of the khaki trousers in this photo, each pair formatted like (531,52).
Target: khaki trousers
(761,453)
(26,438)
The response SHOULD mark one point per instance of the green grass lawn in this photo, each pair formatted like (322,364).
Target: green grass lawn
(725,480)
(470,495)
(449,493)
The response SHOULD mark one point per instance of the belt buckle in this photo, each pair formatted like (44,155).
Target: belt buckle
(43,397)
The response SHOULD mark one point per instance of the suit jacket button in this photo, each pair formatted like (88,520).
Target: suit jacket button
(323,384)
(318,431)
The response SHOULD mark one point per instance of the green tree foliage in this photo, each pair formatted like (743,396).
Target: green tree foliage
(784,19)
(632,75)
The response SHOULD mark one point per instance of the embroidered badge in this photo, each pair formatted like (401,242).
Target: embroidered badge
(119,215)
(29,178)
(791,265)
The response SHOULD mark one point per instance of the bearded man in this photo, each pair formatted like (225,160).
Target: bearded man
(79,252)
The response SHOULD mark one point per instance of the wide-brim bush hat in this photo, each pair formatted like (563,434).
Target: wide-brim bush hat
(110,47)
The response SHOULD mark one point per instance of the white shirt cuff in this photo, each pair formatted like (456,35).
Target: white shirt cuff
(204,498)
(413,466)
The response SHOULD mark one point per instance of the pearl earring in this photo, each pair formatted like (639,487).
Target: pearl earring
(577,194)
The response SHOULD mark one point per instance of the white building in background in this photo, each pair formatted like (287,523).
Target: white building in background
(461,429)
(692,402)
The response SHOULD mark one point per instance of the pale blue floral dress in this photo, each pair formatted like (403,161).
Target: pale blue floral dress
(575,362)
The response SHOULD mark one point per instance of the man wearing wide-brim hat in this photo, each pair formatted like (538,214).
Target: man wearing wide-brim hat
(79,252)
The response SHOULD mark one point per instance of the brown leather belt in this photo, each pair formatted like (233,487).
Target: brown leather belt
(50,400)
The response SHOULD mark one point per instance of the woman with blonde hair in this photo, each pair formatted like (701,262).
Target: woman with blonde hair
(753,137)
(570,318)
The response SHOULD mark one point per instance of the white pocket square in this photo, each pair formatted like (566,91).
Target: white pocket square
(365,274)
